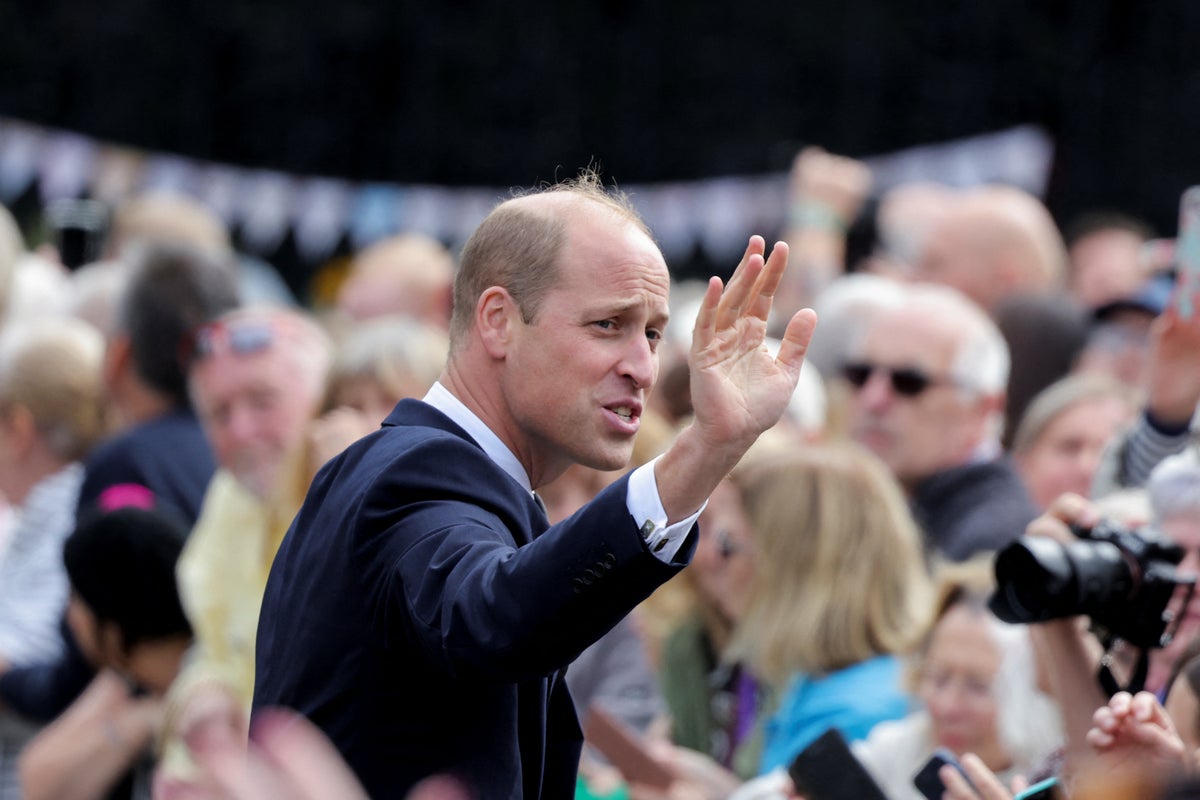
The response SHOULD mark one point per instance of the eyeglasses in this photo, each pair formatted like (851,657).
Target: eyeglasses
(906,381)
(241,337)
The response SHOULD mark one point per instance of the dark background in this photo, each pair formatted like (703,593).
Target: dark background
(466,92)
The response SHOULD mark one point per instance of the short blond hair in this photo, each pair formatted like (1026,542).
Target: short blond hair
(839,563)
(53,369)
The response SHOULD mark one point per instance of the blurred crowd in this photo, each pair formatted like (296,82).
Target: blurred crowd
(977,376)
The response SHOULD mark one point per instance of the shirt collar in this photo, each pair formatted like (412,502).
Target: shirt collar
(440,398)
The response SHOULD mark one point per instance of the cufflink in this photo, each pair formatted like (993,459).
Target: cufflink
(647,530)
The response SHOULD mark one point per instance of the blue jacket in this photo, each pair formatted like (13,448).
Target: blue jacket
(853,700)
(421,612)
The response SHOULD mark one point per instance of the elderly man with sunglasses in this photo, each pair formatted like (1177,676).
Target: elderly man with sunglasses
(927,378)
(257,379)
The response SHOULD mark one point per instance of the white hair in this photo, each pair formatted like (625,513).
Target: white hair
(844,310)
(982,361)
(1174,486)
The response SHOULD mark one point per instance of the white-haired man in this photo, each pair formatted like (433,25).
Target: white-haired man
(928,378)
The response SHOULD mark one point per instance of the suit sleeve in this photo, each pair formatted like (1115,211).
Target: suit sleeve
(455,572)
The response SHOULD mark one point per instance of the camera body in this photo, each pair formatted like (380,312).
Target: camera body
(1121,579)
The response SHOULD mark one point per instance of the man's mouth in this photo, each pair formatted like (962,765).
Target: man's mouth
(624,412)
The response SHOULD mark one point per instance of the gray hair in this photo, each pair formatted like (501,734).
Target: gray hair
(1174,486)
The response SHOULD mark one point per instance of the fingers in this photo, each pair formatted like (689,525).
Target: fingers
(751,261)
(768,282)
(983,783)
(306,757)
(751,289)
(796,339)
(1066,510)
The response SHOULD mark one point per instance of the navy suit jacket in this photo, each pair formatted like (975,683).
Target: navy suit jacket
(421,612)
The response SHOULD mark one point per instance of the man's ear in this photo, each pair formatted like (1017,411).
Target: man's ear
(496,319)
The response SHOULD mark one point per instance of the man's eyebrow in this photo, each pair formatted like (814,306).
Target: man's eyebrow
(621,308)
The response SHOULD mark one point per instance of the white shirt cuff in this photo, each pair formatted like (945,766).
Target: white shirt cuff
(646,507)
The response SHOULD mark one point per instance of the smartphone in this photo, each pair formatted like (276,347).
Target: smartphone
(1187,253)
(1043,790)
(928,781)
(828,770)
(624,750)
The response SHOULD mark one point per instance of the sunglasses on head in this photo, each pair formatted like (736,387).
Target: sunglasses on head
(240,337)
(906,381)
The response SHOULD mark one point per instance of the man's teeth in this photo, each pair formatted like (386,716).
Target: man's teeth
(624,412)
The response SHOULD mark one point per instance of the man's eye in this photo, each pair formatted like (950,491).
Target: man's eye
(605,324)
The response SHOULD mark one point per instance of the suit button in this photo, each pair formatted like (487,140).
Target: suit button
(610,560)
(578,585)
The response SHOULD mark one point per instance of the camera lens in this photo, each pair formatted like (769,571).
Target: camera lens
(1039,579)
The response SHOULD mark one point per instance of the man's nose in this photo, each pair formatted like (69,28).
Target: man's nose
(640,363)
(876,393)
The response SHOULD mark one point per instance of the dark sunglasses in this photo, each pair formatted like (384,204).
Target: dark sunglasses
(906,381)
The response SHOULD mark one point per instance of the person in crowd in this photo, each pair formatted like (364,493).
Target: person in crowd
(171,291)
(1105,256)
(1171,388)
(926,382)
(376,364)
(125,613)
(1119,341)
(975,679)
(51,415)
(1061,438)
(421,555)
(977,683)
(829,644)
(406,275)
(996,242)
(256,376)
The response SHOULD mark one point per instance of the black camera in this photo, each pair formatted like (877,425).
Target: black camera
(1121,579)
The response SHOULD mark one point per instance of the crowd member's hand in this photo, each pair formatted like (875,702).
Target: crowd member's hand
(983,783)
(1067,510)
(698,776)
(1173,376)
(1136,732)
(287,758)
(822,181)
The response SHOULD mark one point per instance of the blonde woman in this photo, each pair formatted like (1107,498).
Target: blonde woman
(840,590)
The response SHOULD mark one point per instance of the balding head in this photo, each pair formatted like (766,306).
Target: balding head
(167,218)
(997,242)
(517,246)
(407,275)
